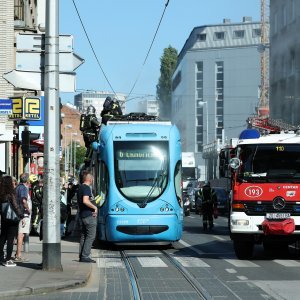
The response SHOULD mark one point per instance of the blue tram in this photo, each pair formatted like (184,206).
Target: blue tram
(137,168)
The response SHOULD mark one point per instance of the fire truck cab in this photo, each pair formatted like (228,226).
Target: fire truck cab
(265,204)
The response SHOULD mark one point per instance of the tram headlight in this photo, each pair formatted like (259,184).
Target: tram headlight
(117,209)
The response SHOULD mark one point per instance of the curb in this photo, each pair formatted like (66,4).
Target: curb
(46,288)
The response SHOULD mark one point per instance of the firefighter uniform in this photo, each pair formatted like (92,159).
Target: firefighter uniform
(209,203)
(90,126)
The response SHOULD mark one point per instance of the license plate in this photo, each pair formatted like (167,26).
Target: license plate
(277,216)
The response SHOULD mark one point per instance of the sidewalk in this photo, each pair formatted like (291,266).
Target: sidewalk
(29,278)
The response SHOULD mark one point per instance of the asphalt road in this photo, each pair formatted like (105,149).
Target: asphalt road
(211,267)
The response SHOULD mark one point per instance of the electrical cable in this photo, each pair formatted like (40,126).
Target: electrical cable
(87,36)
(140,72)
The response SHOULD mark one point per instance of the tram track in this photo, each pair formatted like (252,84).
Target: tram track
(133,277)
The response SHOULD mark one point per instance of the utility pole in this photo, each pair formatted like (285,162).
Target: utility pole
(51,205)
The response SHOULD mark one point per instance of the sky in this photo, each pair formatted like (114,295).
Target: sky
(121,32)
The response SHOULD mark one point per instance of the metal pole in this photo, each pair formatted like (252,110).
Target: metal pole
(71,157)
(65,140)
(206,122)
(51,205)
(74,165)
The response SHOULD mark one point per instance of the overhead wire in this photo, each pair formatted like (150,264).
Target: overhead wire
(140,72)
(87,36)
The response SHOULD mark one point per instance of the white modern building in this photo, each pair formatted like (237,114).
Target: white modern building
(150,107)
(95,98)
(216,85)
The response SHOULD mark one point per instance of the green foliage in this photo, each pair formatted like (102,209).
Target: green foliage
(164,86)
(80,155)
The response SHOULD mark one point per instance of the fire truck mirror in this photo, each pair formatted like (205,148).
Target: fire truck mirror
(234,163)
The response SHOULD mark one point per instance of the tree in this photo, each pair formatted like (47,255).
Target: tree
(164,86)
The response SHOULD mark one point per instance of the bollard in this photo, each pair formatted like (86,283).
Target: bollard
(26,243)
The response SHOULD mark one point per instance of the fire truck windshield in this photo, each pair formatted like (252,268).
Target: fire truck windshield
(269,162)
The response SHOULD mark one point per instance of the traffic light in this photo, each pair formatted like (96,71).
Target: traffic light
(26,143)
(27,138)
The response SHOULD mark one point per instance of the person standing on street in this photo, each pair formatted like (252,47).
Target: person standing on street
(88,218)
(9,229)
(24,202)
(209,202)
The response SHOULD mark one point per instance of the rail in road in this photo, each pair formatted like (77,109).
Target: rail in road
(133,275)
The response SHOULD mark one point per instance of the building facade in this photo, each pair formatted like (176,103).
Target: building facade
(285,60)
(215,84)
(150,107)
(83,100)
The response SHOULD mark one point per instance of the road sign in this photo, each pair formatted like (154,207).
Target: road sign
(36,42)
(17,108)
(5,107)
(31,108)
(35,61)
(25,108)
(35,80)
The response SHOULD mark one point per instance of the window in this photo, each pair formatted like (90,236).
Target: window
(256,32)
(219,35)
(200,138)
(201,37)
(141,169)
(199,99)
(219,69)
(284,13)
(238,34)
(102,180)
(177,182)
(19,10)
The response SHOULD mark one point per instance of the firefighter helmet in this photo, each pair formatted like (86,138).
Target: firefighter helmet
(90,110)
(33,178)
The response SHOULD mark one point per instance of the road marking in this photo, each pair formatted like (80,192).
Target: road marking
(242,277)
(188,262)
(142,253)
(219,238)
(231,271)
(110,262)
(241,263)
(287,263)
(191,217)
(190,247)
(151,262)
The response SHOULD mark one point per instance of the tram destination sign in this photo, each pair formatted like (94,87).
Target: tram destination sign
(137,154)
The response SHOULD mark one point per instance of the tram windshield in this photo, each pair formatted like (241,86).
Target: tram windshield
(269,163)
(141,169)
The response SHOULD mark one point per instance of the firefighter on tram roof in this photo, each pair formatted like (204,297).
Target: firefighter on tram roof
(90,126)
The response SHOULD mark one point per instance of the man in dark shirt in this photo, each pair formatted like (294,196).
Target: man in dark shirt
(88,218)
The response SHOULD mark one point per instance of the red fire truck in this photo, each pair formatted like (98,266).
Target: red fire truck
(265,196)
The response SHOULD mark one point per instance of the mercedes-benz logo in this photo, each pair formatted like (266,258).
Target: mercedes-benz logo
(278,203)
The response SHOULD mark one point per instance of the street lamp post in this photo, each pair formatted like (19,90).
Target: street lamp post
(71,157)
(75,146)
(67,126)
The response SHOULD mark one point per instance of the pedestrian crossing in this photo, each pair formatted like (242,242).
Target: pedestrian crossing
(189,262)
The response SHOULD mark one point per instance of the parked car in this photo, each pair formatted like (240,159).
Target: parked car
(222,200)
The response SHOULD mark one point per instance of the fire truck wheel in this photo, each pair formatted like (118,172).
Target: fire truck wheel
(243,250)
